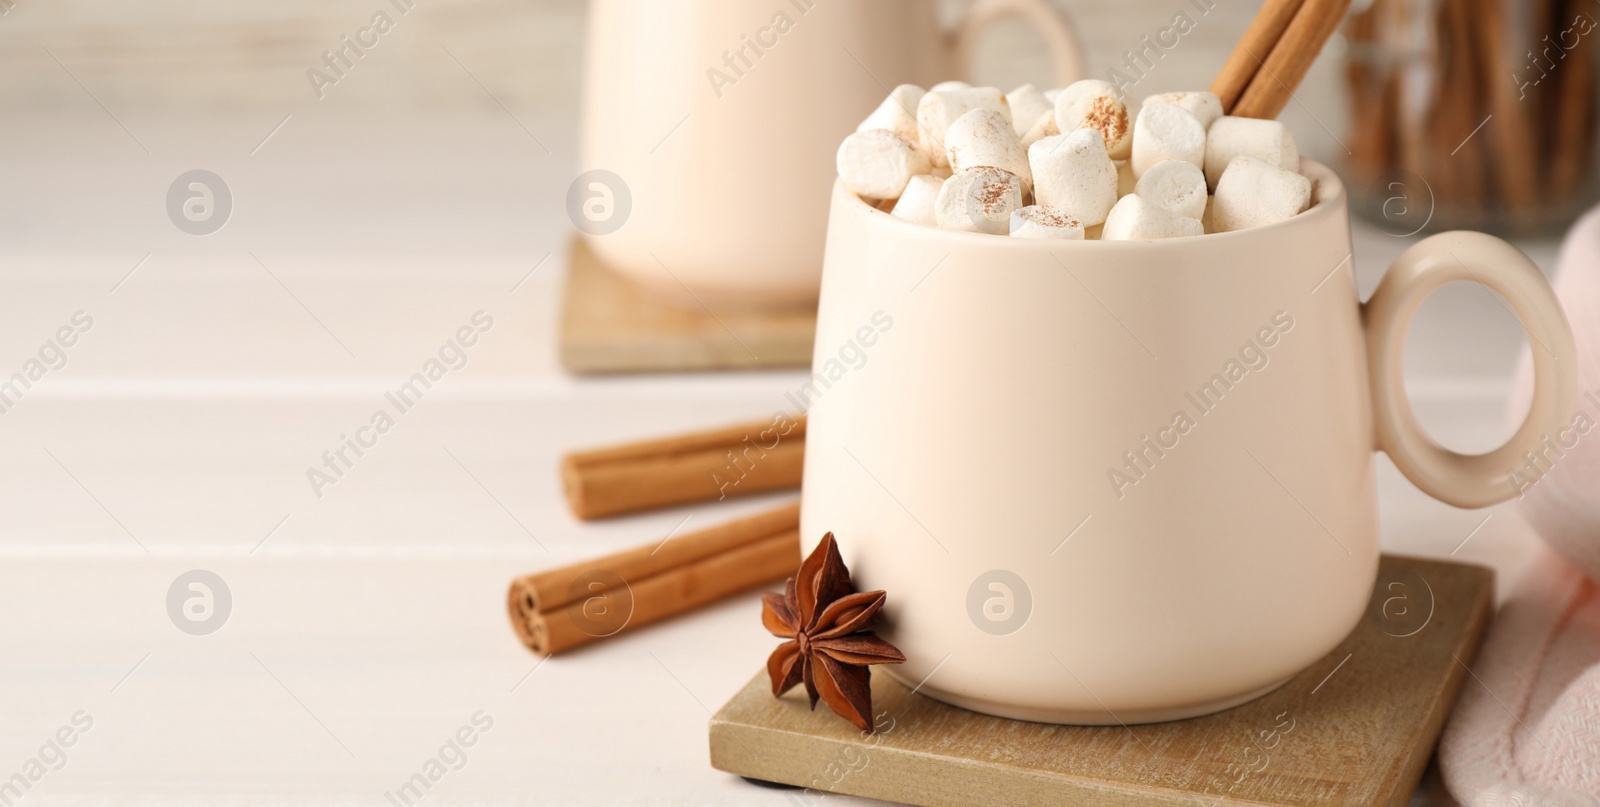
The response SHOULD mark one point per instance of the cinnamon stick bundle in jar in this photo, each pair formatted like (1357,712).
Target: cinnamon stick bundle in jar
(1480,113)
(559,609)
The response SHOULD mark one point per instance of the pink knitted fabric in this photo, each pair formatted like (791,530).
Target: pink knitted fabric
(1526,730)
(1564,507)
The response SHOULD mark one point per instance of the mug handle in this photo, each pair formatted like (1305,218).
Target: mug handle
(1045,17)
(1466,480)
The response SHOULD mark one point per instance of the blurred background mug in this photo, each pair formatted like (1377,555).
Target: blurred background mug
(710,127)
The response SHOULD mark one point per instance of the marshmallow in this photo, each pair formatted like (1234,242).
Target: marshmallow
(1028,105)
(1093,104)
(1042,128)
(1176,185)
(917,201)
(979,200)
(1052,95)
(1134,219)
(1167,132)
(985,137)
(1073,174)
(950,85)
(1253,192)
(897,113)
(878,163)
(1205,106)
(941,107)
(1036,221)
(1266,140)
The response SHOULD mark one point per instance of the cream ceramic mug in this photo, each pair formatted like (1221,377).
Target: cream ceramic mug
(710,126)
(1130,481)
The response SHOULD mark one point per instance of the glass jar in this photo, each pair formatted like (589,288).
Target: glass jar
(1472,114)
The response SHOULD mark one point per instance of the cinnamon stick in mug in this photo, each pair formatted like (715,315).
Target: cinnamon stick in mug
(563,608)
(1252,50)
(715,464)
(1281,70)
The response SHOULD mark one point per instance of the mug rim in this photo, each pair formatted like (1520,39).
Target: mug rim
(1327,193)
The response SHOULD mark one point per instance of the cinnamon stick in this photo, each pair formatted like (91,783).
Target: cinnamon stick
(1510,133)
(715,464)
(560,609)
(1252,50)
(1370,138)
(1454,159)
(1571,112)
(1291,56)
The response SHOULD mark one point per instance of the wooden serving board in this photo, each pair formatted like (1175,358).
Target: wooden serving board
(1356,728)
(610,325)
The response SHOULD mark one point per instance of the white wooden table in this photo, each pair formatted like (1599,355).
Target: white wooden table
(367,625)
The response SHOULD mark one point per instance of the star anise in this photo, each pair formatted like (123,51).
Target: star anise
(828,624)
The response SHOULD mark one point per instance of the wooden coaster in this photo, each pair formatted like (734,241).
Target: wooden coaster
(1357,727)
(609,325)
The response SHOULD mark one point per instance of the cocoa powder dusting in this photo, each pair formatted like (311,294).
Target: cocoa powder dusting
(1107,116)
(1050,217)
(992,192)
